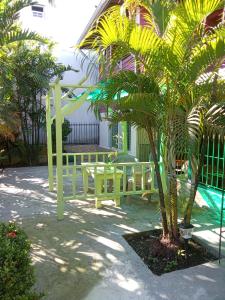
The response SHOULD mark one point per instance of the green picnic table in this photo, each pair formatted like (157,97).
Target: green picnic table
(101,172)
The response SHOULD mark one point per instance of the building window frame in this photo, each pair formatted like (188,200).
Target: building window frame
(37,11)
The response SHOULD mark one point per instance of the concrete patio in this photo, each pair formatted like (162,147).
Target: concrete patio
(85,256)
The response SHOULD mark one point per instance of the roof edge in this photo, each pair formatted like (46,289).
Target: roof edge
(101,7)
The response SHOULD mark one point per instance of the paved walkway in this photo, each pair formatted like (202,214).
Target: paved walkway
(85,256)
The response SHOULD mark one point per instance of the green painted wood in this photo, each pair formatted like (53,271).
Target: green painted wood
(141,173)
(59,154)
(207,171)
(49,142)
(213,158)
(218,162)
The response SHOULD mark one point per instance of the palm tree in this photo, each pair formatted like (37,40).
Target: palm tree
(175,50)
(142,109)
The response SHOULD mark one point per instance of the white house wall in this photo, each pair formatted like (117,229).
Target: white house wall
(68,57)
(83,115)
(133,146)
(105,134)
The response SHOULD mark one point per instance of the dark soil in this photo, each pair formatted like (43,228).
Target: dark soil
(166,257)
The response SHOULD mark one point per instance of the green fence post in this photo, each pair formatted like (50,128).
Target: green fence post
(213,159)
(49,142)
(218,161)
(207,166)
(59,162)
(223,159)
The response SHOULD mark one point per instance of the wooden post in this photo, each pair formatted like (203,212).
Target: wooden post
(124,136)
(49,142)
(59,156)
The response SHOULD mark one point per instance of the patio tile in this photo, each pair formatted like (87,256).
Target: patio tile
(85,256)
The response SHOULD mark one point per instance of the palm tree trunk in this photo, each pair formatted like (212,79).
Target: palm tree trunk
(173,202)
(159,181)
(194,185)
(172,186)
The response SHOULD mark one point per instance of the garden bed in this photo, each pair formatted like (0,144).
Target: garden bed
(164,258)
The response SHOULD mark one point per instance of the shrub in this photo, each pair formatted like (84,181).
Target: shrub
(16,271)
(66,130)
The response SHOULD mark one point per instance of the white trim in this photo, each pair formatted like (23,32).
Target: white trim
(135,64)
(37,13)
(138,16)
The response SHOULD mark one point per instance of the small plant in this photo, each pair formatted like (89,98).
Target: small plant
(66,130)
(153,260)
(170,266)
(181,253)
(16,271)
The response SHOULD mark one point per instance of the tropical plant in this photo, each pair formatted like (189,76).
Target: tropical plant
(66,130)
(11,33)
(30,69)
(175,49)
(141,108)
(16,270)
(10,30)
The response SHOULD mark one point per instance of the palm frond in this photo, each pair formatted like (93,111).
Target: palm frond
(185,23)
(215,119)
(19,35)
(209,53)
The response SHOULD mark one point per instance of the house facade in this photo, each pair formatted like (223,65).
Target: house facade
(111,134)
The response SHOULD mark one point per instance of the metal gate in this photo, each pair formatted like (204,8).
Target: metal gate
(83,134)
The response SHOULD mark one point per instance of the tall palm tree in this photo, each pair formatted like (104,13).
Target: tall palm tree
(176,50)
(142,109)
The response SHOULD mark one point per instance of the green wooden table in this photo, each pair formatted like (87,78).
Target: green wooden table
(101,172)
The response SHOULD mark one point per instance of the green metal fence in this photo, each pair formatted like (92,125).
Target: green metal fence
(214,162)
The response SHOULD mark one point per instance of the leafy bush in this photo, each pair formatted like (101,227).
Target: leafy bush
(16,271)
(66,130)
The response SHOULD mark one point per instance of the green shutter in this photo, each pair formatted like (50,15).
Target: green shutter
(128,136)
(115,132)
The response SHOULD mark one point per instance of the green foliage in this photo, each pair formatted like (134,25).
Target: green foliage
(10,31)
(26,70)
(31,67)
(10,34)
(66,129)
(170,266)
(153,260)
(16,271)
(175,52)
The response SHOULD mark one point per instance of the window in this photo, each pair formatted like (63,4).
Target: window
(38,11)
